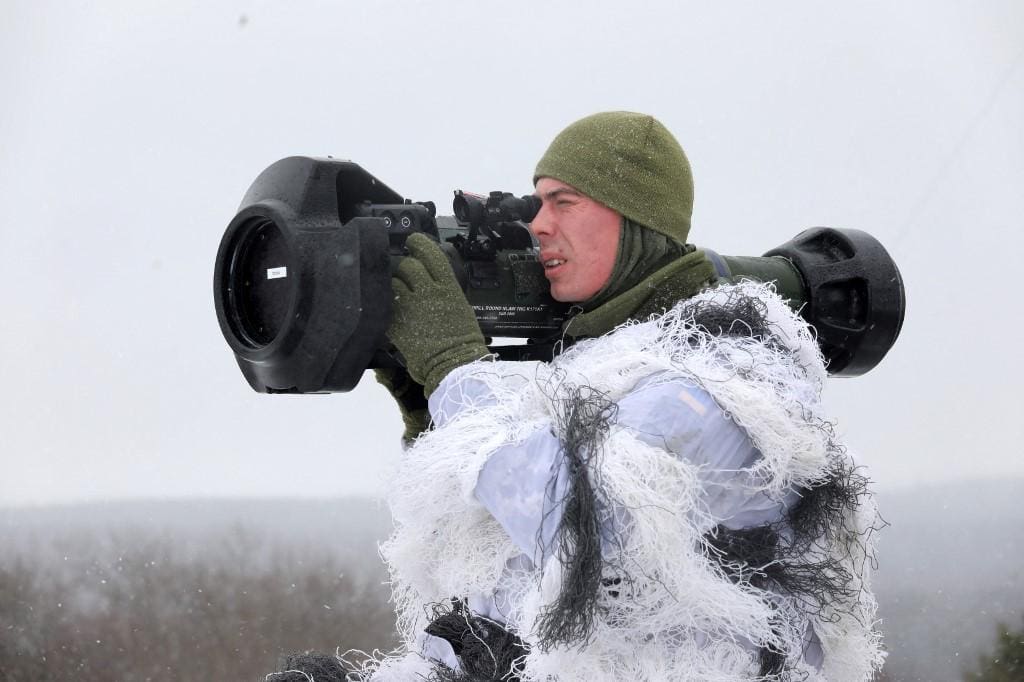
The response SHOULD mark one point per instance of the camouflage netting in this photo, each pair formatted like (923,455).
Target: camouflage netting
(642,582)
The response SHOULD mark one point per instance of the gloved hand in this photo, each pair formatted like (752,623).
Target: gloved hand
(432,323)
(409,396)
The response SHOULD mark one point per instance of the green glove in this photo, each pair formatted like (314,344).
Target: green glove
(432,323)
(409,396)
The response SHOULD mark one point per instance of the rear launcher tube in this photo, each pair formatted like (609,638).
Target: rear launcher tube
(302,281)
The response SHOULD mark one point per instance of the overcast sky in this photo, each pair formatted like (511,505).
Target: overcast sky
(129,132)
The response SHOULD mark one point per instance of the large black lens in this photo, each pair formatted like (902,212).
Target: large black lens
(260,283)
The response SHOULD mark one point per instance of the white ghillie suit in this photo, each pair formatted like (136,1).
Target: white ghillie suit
(666,502)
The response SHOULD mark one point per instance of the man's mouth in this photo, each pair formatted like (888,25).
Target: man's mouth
(552,263)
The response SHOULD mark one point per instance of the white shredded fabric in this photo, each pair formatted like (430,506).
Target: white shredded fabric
(678,616)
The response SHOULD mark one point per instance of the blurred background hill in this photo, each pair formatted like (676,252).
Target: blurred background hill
(185,590)
(950,567)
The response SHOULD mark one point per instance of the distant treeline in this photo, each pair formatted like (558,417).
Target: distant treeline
(218,589)
(136,606)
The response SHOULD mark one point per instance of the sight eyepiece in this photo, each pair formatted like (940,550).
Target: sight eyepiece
(495,209)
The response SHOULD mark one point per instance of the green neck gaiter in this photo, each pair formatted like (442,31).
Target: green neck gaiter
(649,277)
(641,252)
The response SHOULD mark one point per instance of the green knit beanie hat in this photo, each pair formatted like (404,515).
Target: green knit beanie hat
(630,163)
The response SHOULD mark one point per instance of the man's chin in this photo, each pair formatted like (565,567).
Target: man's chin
(564,296)
(559,295)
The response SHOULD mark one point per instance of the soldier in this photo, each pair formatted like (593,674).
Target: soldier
(663,500)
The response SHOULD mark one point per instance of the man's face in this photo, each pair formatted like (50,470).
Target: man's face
(579,239)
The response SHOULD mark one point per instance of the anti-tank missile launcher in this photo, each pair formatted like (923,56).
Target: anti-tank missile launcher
(302,283)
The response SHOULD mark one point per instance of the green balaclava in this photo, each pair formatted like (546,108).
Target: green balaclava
(630,163)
